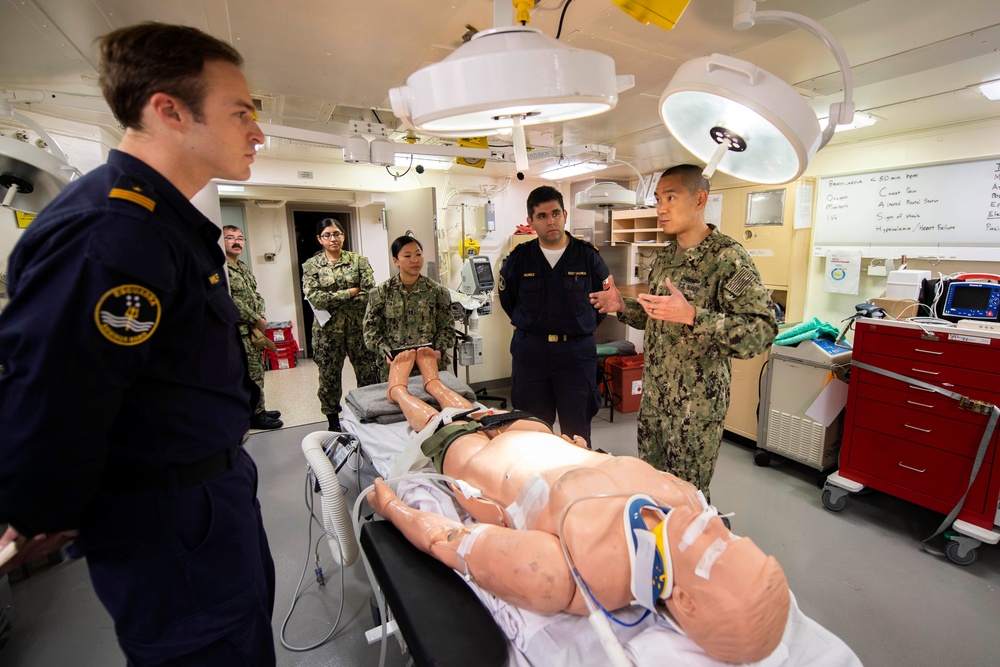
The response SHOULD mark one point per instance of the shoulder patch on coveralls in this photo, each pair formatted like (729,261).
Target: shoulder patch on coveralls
(127,314)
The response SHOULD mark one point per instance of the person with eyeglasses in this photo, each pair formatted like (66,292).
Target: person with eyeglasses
(338,281)
(409,309)
(243,289)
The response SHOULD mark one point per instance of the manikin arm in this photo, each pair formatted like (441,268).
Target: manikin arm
(523,567)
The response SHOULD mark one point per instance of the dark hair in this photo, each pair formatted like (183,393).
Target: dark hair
(398,244)
(329,222)
(540,195)
(690,176)
(142,60)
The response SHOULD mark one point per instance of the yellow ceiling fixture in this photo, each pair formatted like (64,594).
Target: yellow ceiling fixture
(743,120)
(472,142)
(662,13)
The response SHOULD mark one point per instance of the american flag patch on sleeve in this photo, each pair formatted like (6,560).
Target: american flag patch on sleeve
(738,284)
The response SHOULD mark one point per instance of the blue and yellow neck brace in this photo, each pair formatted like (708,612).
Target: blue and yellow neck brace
(649,553)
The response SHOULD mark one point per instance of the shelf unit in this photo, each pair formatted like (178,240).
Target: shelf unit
(637,227)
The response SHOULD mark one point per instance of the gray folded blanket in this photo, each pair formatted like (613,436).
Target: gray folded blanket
(370,405)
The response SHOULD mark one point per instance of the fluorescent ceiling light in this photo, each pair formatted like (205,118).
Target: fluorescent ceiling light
(991,90)
(861,119)
(745,121)
(229,188)
(572,170)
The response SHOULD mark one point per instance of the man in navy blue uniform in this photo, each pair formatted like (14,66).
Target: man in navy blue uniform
(544,288)
(124,396)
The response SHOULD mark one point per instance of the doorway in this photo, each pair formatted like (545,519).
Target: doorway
(304,225)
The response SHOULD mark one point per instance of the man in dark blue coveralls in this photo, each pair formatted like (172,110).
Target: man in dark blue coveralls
(124,396)
(544,288)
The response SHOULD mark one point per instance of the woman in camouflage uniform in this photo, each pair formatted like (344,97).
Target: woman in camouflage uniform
(338,281)
(408,309)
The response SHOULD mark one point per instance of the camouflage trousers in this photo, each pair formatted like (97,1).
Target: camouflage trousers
(330,348)
(684,445)
(255,358)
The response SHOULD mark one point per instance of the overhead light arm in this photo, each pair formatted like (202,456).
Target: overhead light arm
(7,112)
(745,16)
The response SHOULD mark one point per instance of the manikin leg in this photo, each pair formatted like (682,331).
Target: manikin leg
(417,412)
(427,363)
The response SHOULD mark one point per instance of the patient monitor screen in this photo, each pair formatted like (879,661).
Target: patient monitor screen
(477,275)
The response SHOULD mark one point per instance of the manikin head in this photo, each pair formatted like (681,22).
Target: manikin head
(728,596)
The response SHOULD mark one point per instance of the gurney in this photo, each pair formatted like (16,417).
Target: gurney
(444,620)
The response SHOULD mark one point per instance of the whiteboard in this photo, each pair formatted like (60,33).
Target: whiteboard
(946,208)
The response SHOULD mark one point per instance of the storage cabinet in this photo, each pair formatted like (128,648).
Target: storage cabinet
(912,442)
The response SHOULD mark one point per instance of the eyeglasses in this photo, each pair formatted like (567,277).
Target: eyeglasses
(331,235)
(234,238)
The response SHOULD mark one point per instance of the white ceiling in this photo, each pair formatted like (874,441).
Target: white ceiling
(317,64)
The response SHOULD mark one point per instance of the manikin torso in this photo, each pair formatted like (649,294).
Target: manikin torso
(593,530)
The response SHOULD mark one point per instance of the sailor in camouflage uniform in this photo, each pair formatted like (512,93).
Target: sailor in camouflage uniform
(706,304)
(338,281)
(409,309)
(243,289)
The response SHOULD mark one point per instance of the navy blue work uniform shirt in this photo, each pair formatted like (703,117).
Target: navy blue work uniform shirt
(119,351)
(554,356)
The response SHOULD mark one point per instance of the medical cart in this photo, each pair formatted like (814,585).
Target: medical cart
(795,376)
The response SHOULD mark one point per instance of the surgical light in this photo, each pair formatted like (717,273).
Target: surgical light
(605,196)
(744,121)
(31,177)
(505,78)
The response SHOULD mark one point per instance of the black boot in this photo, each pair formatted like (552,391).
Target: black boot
(262,421)
(334,422)
(273,414)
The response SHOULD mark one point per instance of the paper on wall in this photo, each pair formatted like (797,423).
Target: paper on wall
(843,271)
(803,206)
